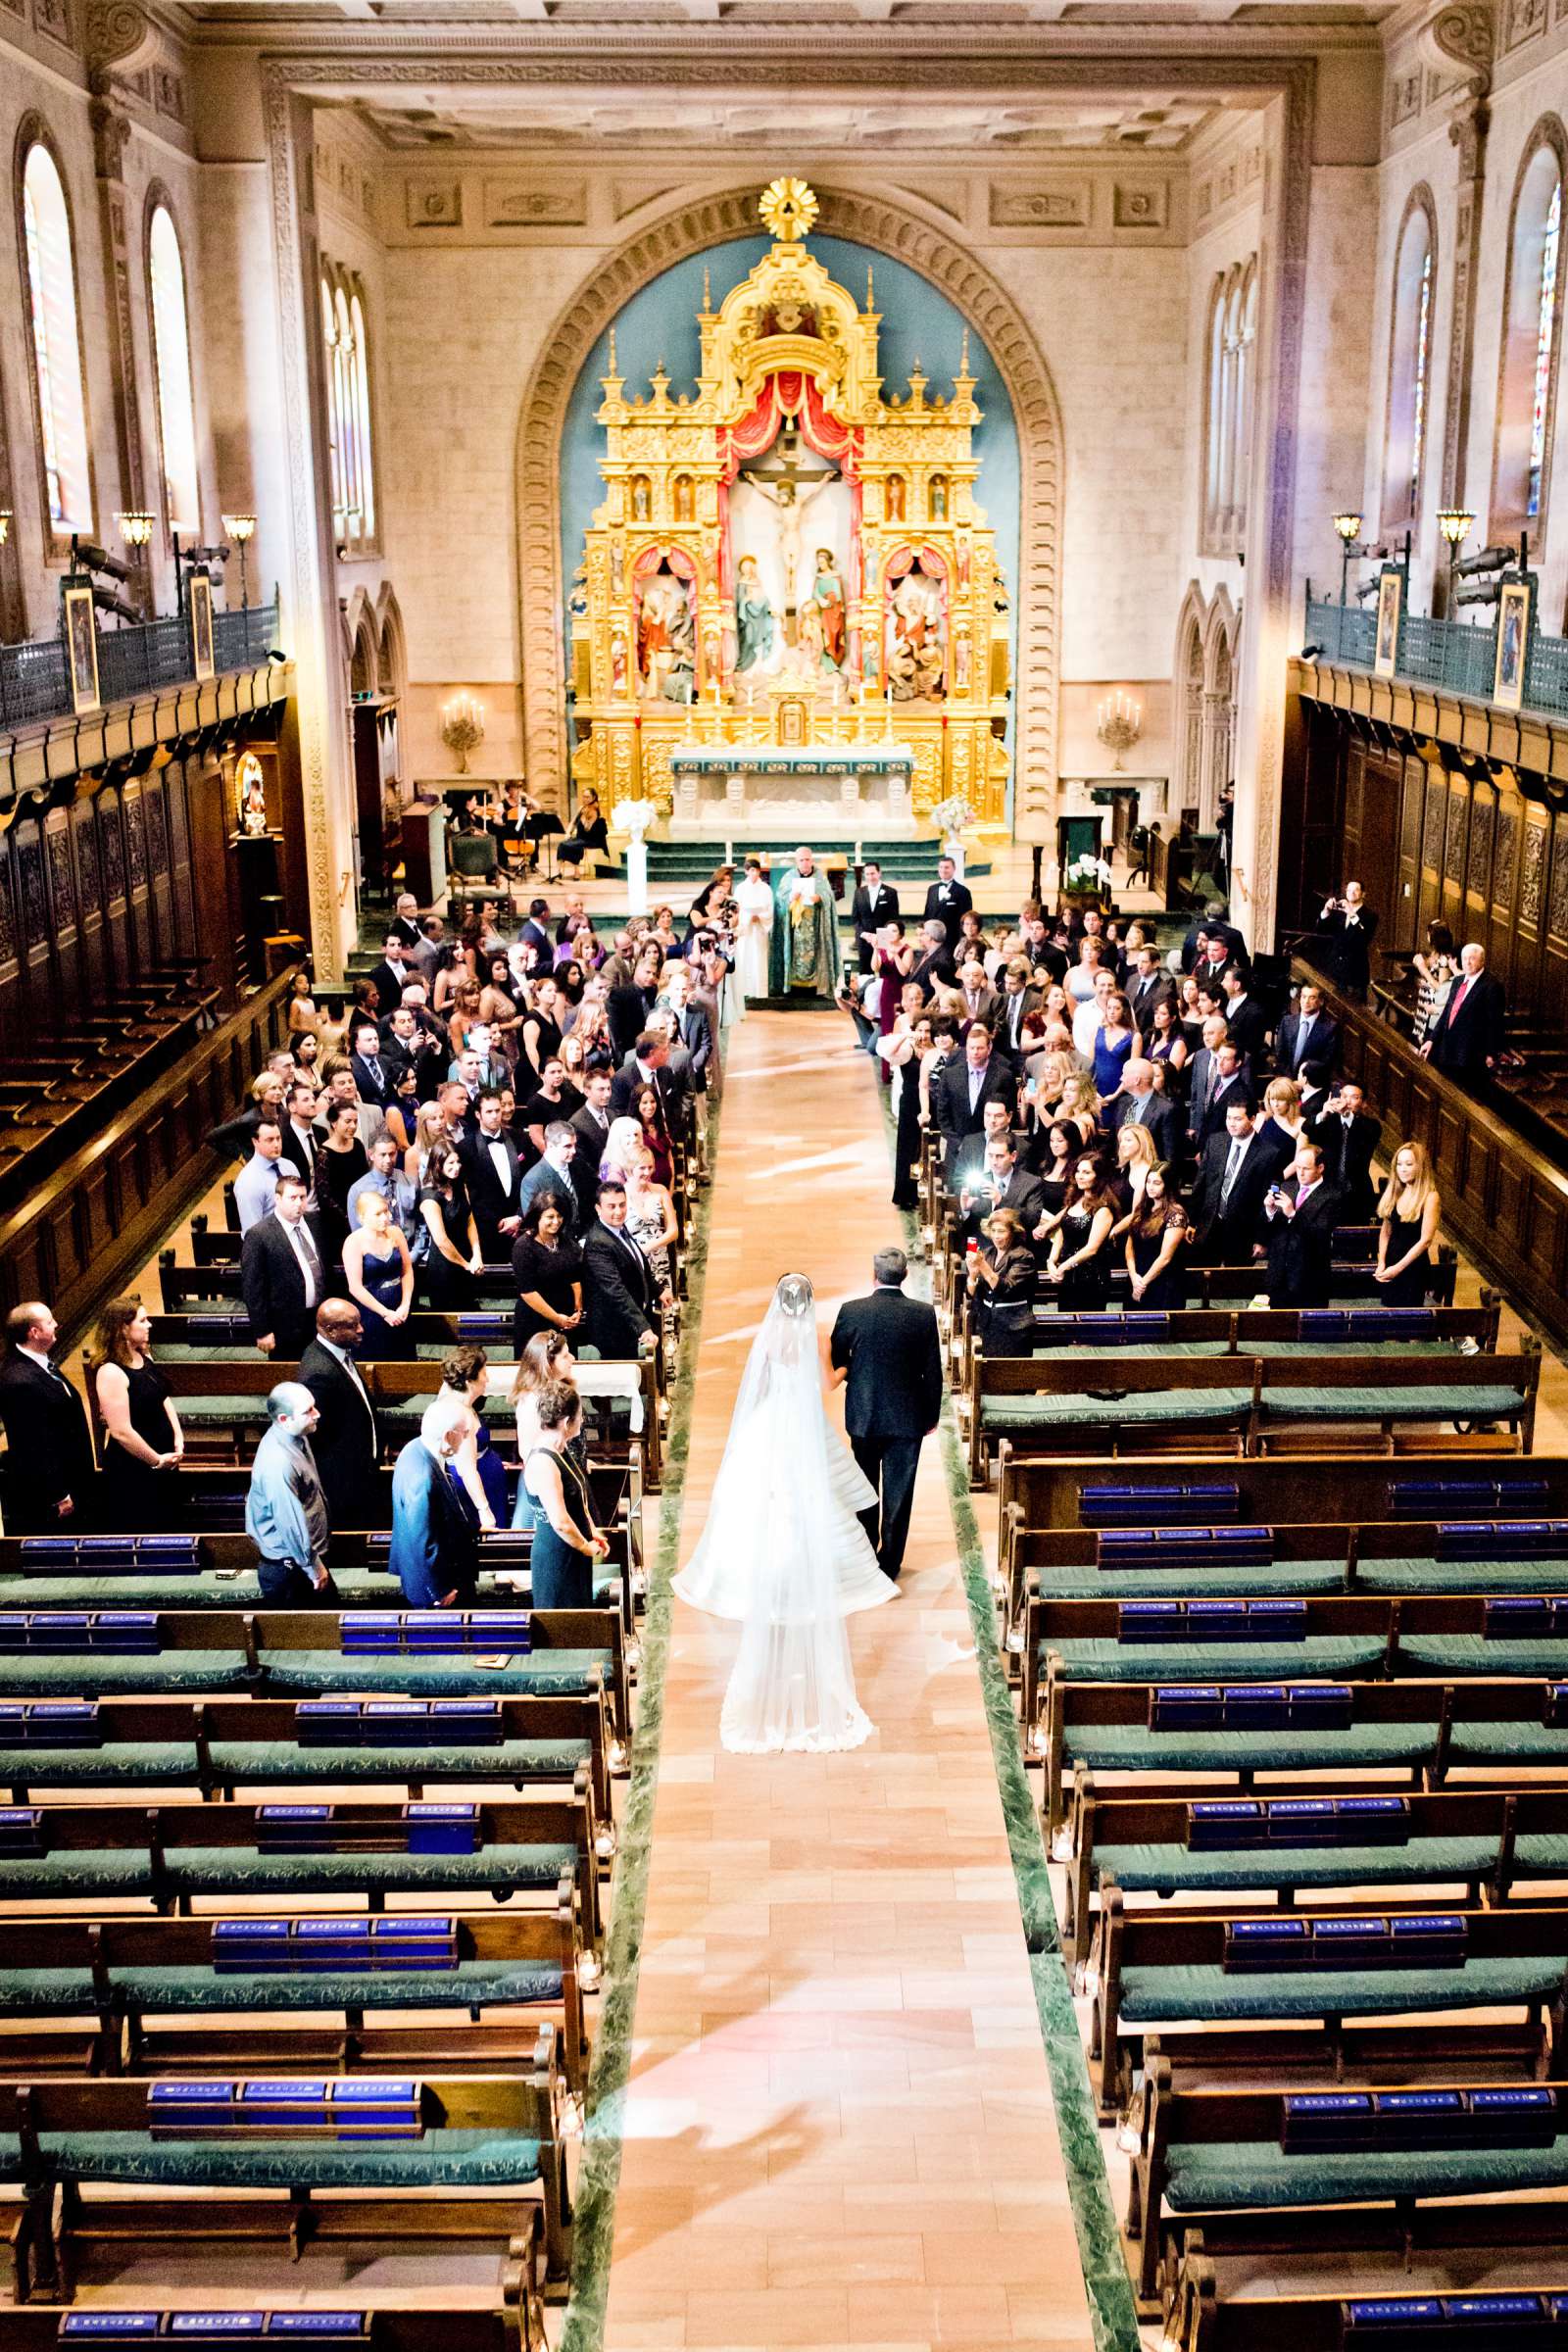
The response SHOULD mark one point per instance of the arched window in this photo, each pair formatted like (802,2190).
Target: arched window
(62,405)
(1227,407)
(348,412)
(1532,339)
(176,407)
(1404,438)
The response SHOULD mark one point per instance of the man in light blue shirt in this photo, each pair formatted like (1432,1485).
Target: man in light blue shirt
(285,1510)
(385,1177)
(255,1185)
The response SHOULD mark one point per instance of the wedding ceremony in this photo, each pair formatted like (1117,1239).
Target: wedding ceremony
(784,1175)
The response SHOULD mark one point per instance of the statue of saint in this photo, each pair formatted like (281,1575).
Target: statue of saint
(915,654)
(805,935)
(827,591)
(754,616)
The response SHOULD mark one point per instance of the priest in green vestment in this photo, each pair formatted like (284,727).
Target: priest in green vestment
(805,930)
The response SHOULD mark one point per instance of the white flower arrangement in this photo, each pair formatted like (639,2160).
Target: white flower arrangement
(953,815)
(1087,873)
(632,817)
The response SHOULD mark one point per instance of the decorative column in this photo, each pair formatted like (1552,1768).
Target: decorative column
(310,617)
(1463,35)
(119,40)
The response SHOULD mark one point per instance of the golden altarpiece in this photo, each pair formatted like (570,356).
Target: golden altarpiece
(789,600)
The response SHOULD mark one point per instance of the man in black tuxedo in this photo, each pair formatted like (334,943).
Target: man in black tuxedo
(1346,927)
(1347,1134)
(302,1138)
(1246,1022)
(1018,1000)
(874,904)
(1141,1104)
(887,1349)
(50,1481)
(1002,1181)
(591,1127)
(959,1091)
(390,976)
(619,1293)
(1465,1042)
(345,1443)
(1308,1034)
(1233,1174)
(372,1076)
(495,1176)
(947,901)
(1300,1219)
(282,1274)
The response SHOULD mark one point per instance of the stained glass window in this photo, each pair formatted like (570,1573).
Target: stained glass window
(1423,358)
(177,407)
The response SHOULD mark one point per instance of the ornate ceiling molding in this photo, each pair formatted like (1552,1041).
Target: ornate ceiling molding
(121,39)
(903,235)
(1463,38)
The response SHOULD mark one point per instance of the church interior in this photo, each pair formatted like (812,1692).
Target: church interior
(740,639)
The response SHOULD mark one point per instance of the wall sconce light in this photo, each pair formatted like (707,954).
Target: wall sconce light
(1348,526)
(5,524)
(1454,523)
(136,529)
(241,528)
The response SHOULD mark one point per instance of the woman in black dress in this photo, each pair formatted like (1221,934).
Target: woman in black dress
(589,834)
(1158,1237)
(566,1541)
(541,1030)
(143,1444)
(1004,1280)
(547,1268)
(453,1259)
(1061,1143)
(1080,1260)
(340,1163)
(905,1045)
(1407,1228)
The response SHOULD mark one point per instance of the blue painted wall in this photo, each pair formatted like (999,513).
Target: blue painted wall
(917,323)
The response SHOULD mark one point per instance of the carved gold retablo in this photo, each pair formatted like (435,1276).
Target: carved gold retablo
(787,208)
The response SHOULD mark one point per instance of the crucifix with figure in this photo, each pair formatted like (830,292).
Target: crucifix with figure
(791,481)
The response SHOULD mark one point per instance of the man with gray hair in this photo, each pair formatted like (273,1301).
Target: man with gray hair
(435,1549)
(285,1510)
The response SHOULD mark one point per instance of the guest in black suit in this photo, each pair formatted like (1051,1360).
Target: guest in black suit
(1308,1034)
(345,1443)
(591,1127)
(947,901)
(1002,1181)
(50,1483)
(1140,1103)
(302,1138)
(1465,1040)
(1235,1172)
(933,962)
(887,1350)
(649,1065)
(620,1294)
(282,1274)
(1300,1217)
(1347,926)
(495,1177)
(372,1073)
(1348,1136)
(1230,1083)
(391,974)
(1246,1022)
(874,904)
(958,1095)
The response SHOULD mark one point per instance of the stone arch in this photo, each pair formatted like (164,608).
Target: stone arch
(1186,671)
(901,233)
(360,643)
(1221,645)
(392,642)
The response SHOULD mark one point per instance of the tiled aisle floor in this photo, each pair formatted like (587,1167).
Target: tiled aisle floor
(839,2124)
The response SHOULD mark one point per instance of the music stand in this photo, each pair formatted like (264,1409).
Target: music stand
(543,827)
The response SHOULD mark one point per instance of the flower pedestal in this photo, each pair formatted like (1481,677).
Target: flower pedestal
(633,819)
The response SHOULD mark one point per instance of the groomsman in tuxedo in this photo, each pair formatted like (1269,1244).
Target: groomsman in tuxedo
(618,1288)
(345,1440)
(1308,1034)
(495,1177)
(1348,1136)
(1300,1215)
(947,901)
(885,1349)
(49,1474)
(874,904)
(282,1274)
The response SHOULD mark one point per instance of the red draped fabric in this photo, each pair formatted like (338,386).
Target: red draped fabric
(793,393)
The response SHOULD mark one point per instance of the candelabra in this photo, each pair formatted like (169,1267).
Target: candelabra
(462,727)
(1454,523)
(241,528)
(1122,723)
(1348,527)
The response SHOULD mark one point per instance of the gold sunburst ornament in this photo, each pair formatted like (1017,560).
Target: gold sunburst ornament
(787,208)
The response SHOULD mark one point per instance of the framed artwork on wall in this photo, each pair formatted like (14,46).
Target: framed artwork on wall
(1513,641)
(1391,594)
(199,589)
(81,649)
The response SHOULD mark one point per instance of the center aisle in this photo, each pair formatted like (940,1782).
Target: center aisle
(839,2127)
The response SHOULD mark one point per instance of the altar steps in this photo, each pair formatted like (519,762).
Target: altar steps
(695,861)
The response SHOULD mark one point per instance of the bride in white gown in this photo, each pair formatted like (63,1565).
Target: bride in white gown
(783,1550)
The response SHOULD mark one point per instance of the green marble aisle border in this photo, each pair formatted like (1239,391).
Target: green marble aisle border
(599,2172)
(1112,2312)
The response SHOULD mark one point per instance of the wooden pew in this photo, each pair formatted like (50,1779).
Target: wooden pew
(515,2325)
(1198,2320)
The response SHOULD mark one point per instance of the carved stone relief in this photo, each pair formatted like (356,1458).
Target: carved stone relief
(1532,873)
(1062,207)
(1559,884)
(1432,840)
(1481,829)
(1502,868)
(530,204)
(1454,854)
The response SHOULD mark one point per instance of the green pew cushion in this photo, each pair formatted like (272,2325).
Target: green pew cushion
(1258,2172)
(251,1763)
(93,1674)
(243,1870)
(1134,1747)
(1153,1584)
(1111,1412)
(144,1763)
(1202,1992)
(1173,1869)
(1468,1657)
(47,1992)
(441,2159)
(1507,1742)
(1463,1576)
(546,1673)
(473,1984)
(1312,1660)
(77,1872)
(1480,1403)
